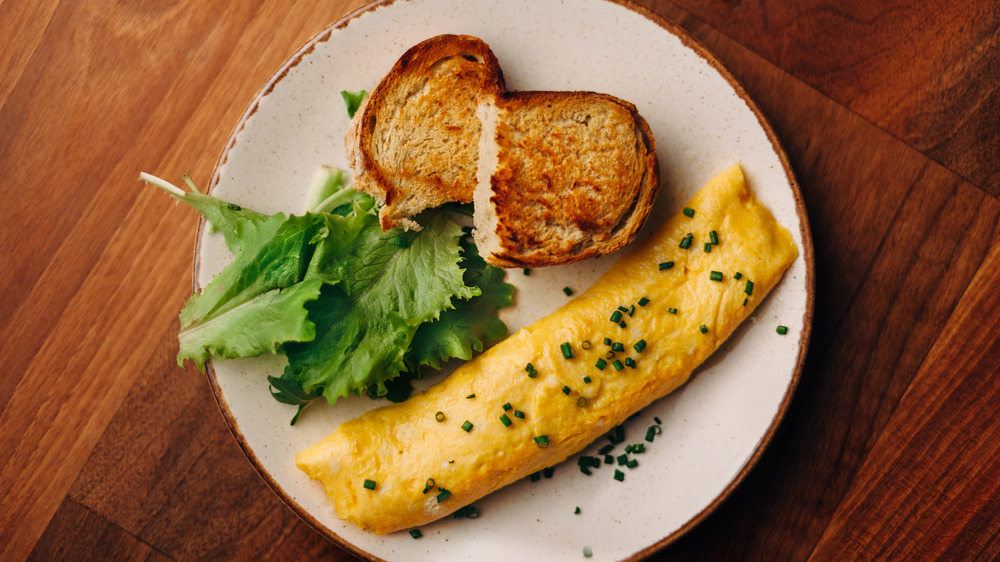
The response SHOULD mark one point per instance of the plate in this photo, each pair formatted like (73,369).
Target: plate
(714,428)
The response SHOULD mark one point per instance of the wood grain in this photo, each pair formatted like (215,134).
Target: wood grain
(888,112)
(926,72)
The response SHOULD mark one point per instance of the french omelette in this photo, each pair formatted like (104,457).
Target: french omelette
(376,467)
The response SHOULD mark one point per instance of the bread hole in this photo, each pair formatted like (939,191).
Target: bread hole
(472,58)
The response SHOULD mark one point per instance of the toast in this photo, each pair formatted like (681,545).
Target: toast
(413,141)
(562,176)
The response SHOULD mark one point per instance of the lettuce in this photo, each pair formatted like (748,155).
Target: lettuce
(350,306)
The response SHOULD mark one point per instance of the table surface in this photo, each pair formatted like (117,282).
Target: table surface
(889,112)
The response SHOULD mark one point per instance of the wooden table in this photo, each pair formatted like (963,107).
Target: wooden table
(890,114)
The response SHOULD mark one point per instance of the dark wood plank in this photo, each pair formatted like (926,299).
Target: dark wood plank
(927,72)
(169,471)
(942,444)
(897,240)
(77,533)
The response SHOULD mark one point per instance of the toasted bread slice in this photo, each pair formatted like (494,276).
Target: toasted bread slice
(562,176)
(413,142)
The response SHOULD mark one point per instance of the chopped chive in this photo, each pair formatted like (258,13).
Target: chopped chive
(617,365)
(548,471)
(631,310)
(616,316)
(369,484)
(415,533)
(605,449)
(601,363)
(567,291)
(588,552)
(629,362)
(429,485)
(535,476)
(708,247)
(638,448)
(399,241)
(507,406)
(622,459)
(505,420)
(586,379)
(467,426)
(585,470)
(656,419)
(439,416)
(685,243)
(745,301)
(619,475)
(565,390)
(607,341)
(688,212)
(652,432)
(715,276)
(714,237)
(628,449)
(610,354)
(622,323)
(583,460)
(526,271)
(632,463)
(782,330)
(749,289)
(576,511)
(586,344)
(542,441)
(581,401)
(443,495)
(532,373)
(639,346)
(643,301)
(737,276)
(617,434)
(703,328)
(667,264)
(617,346)
(622,308)
(609,459)
(567,350)
(518,414)
(672,310)
(471,396)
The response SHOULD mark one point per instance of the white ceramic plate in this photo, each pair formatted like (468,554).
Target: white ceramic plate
(714,427)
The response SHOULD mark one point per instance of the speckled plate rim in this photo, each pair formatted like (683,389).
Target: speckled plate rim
(806,253)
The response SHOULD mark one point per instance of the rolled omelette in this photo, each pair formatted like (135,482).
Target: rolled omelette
(549,390)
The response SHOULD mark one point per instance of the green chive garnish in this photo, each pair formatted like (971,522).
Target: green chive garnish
(415,533)
(586,380)
(607,341)
(532,373)
(585,344)
(601,363)
(428,485)
(745,301)
(703,328)
(708,247)
(471,396)
(565,390)
(526,271)
(439,416)
(622,308)
(639,346)
(506,406)
(782,330)
(652,432)
(629,362)
(518,414)
(737,276)
(399,241)
(586,470)
(714,237)
(617,365)
(617,346)
(685,243)
(467,426)
(581,401)
(622,324)
(608,459)
(443,495)
(688,212)
(672,310)
(370,484)
(576,511)
(542,441)
(622,459)
(638,448)
(505,420)
(749,289)
(643,301)
(667,264)
(715,276)
(610,354)
(631,310)
(568,291)
(632,463)
(619,475)
(616,316)
(588,552)
(605,449)
(535,476)
(567,350)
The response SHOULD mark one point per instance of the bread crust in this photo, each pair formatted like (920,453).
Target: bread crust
(413,141)
(576,177)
